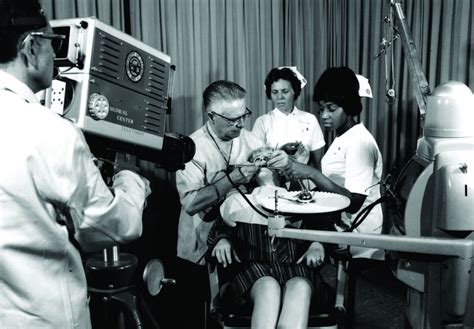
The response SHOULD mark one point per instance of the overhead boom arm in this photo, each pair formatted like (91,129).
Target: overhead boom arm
(420,84)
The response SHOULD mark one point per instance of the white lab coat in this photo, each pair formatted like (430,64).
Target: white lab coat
(45,163)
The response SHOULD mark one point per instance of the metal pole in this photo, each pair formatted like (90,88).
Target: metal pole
(462,248)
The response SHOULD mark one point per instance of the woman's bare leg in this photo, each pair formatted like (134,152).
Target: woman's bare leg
(296,301)
(266,296)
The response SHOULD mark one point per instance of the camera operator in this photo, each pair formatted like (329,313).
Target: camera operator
(53,200)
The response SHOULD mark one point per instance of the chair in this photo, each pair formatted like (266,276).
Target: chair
(348,271)
(233,318)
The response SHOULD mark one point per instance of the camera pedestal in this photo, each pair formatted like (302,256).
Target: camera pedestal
(113,291)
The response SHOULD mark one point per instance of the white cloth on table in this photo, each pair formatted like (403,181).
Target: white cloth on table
(236,209)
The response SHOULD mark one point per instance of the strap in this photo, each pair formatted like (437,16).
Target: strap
(63,217)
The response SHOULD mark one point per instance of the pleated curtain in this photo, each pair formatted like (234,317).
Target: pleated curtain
(241,40)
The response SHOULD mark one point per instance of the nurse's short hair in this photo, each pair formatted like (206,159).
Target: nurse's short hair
(284,73)
(339,85)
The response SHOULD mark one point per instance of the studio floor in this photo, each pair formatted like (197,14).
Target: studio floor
(380,298)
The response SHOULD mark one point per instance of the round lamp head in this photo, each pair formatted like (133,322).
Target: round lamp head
(450,111)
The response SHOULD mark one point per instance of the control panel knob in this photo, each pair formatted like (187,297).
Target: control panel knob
(98,106)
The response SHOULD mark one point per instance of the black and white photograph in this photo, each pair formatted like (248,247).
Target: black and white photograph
(231,164)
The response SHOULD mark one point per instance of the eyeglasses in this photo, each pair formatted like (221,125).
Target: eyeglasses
(235,121)
(56,39)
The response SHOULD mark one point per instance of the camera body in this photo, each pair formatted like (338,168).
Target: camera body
(117,89)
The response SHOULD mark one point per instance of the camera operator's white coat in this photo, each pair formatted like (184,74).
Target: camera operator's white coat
(46,166)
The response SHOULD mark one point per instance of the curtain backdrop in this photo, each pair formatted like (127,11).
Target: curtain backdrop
(241,40)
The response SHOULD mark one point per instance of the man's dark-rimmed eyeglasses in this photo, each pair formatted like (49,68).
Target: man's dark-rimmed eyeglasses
(235,121)
(56,39)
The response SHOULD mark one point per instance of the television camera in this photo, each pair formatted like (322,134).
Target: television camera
(117,90)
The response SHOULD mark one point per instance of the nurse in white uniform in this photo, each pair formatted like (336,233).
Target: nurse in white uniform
(352,166)
(286,127)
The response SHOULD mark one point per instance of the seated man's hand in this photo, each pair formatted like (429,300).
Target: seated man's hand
(224,252)
(291,148)
(244,174)
(314,256)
